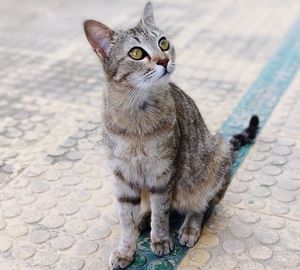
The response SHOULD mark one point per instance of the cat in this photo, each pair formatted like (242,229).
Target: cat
(161,152)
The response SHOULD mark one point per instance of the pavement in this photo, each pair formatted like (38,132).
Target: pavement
(57,204)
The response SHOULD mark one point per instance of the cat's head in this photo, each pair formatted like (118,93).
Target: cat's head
(139,57)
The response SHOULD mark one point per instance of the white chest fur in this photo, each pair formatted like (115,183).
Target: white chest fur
(140,160)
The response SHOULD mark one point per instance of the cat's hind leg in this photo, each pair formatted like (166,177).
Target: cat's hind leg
(190,230)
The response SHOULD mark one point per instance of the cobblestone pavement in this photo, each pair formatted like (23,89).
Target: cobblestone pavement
(57,205)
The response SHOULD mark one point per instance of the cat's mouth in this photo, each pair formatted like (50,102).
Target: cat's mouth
(165,72)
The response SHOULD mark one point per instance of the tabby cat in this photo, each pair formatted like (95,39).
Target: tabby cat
(162,154)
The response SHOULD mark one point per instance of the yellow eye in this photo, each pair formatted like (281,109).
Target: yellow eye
(164,44)
(137,53)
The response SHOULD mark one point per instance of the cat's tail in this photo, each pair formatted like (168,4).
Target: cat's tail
(247,135)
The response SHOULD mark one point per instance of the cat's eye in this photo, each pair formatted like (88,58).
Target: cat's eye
(164,44)
(137,53)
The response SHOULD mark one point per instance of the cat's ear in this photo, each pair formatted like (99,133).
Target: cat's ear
(99,36)
(148,17)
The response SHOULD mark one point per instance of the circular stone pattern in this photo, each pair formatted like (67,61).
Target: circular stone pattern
(16,231)
(248,217)
(26,200)
(6,195)
(80,195)
(241,231)
(71,180)
(260,253)
(5,244)
(11,212)
(282,150)
(274,222)
(72,263)
(45,258)
(189,267)
(272,170)
(32,216)
(76,226)
(46,203)
(234,247)
(39,186)
(278,208)
(62,242)
(100,232)
(2,224)
(86,247)
(209,240)
(252,266)
(199,256)
(68,208)
(287,259)
(23,251)
(52,175)
(89,212)
(266,237)
(39,236)
(260,191)
(102,201)
(54,222)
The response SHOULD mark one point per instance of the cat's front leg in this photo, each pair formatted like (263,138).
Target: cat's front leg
(160,198)
(129,209)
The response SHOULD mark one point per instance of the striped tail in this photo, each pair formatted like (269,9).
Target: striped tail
(247,135)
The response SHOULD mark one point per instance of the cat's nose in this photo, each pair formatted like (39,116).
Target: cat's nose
(163,62)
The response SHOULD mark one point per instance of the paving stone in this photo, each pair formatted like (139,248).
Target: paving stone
(86,247)
(53,221)
(266,242)
(71,180)
(23,251)
(72,263)
(5,244)
(68,208)
(63,242)
(234,247)
(32,216)
(89,212)
(16,231)
(76,226)
(99,232)
(2,224)
(273,190)
(44,258)
(74,156)
(11,212)
(199,256)
(52,175)
(260,253)
(39,236)
(46,202)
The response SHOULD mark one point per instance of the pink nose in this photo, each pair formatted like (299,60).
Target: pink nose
(163,62)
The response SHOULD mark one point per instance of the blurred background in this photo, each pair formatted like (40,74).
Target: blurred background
(49,72)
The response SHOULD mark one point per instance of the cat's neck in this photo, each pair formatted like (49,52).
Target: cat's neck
(139,115)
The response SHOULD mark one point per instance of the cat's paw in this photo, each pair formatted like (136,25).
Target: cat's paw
(162,247)
(188,236)
(118,260)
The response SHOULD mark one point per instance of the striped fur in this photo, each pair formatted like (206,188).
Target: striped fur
(160,150)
